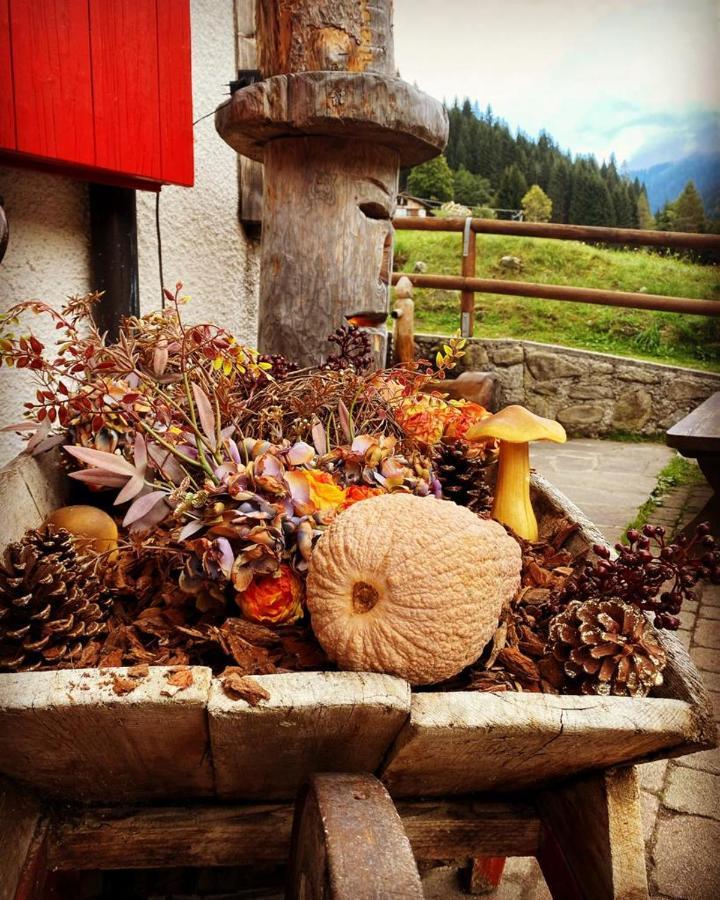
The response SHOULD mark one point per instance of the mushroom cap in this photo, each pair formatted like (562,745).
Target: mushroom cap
(517,425)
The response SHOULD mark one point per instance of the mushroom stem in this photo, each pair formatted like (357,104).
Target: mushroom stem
(512,504)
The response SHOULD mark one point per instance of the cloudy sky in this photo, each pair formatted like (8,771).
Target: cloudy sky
(637,77)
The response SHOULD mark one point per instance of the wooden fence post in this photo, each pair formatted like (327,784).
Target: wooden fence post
(467,297)
(404,322)
(332,124)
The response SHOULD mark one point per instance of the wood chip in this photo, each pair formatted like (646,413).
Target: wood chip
(242,687)
(179,678)
(122,685)
(140,671)
(518,664)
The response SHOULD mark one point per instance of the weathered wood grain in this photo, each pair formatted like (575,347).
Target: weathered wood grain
(325,35)
(461,742)
(364,107)
(250,171)
(596,827)
(70,736)
(468,827)
(325,243)
(312,722)
(348,843)
(20,816)
(226,835)
(30,488)
(159,837)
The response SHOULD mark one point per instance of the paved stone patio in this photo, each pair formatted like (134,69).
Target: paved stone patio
(608,480)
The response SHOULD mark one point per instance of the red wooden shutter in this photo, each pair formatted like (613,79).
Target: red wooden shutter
(98,88)
(51,74)
(7,96)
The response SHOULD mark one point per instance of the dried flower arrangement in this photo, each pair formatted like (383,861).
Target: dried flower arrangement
(231,465)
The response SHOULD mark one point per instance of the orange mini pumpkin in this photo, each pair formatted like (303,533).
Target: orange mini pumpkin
(92,527)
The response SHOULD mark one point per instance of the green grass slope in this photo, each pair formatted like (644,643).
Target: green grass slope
(661,337)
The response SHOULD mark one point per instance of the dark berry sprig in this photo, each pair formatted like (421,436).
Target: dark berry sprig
(650,572)
(281,367)
(353,349)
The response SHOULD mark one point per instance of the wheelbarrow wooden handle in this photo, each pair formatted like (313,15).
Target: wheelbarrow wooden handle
(348,843)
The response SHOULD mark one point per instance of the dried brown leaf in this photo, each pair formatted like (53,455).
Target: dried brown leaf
(518,664)
(180,678)
(240,687)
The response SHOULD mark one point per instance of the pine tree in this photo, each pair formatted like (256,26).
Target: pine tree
(590,203)
(537,206)
(689,210)
(558,189)
(513,188)
(432,180)
(645,218)
(666,215)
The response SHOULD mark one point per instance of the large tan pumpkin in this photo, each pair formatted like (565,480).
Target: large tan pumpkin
(410,586)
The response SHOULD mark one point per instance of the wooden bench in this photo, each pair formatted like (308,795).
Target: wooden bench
(345,839)
(698,436)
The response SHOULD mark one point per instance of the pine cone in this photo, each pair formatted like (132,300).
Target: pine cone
(606,647)
(461,473)
(50,605)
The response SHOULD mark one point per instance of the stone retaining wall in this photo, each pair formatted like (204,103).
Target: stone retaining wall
(590,393)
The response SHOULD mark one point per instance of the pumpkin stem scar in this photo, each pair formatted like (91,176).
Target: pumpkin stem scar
(364,597)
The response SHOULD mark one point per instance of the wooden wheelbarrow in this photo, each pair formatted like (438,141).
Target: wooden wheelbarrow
(97,779)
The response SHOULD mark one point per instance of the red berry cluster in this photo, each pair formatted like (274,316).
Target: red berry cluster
(650,572)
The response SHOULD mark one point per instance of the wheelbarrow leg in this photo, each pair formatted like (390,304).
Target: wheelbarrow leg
(348,843)
(592,847)
(23,844)
(485,874)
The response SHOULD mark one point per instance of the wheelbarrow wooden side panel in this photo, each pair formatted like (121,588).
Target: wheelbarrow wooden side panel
(31,487)
(470,741)
(70,735)
(312,722)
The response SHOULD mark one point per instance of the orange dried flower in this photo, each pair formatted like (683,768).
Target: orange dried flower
(275,599)
(461,415)
(357,492)
(423,418)
(324,491)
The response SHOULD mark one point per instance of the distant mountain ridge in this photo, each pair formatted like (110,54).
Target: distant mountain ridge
(665,181)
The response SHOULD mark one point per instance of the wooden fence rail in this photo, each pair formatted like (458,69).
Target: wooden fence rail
(468,284)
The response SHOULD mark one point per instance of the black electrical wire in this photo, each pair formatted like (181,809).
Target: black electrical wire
(158,230)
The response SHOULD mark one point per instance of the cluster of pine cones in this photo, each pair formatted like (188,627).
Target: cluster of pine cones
(51,604)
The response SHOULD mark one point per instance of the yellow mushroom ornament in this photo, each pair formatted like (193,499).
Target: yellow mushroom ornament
(515,427)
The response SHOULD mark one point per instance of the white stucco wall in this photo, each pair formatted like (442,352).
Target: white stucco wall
(204,245)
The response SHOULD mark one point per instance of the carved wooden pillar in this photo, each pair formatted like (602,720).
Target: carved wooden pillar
(332,125)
